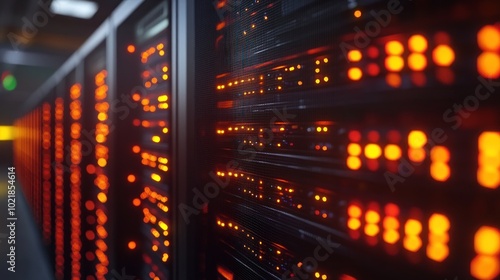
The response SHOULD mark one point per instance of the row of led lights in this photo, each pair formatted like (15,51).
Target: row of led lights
(46,173)
(438,225)
(154,80)
(488,174)
(443,55)
(151,159)
(162,225)
(243,128)
(75,178)
(145,55)
(277,250)
(101,154)
(59,188)
(282,191)
(417,140)
(485,265)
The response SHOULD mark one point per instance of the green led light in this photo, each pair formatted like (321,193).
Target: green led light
(9,83)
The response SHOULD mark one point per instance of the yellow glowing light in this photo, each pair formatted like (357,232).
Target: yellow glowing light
(488,65)
(372,217)
(437,251)
(357,13)
(440,171)
(102,116)
(354,73)
(390,236)
(417,43)
(485,267)
(102,197)
(417,62)
(6,133)
(354,55)
(412,243)
(373,151)
(156,139)
(487,241)
(394,63)
(488,174)
(326,79)
(102,162)
(392,152)
(488,38)
(353,223)
(156,177)
(416,155)
(438,224)
(440,153)
(354,211)
(489,143)
(443,55)
(163,225)
(394,48)
(417,139)
(390,223)
(371,229)
(353,162)
(488,178)
(439,237)
(413,227)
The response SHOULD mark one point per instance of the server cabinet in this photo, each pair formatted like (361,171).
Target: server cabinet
(77,133)
(145,128)
(350,142)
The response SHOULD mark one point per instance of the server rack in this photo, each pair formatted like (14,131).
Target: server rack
(306,139)
(145,69)
(339,154)
(77,130)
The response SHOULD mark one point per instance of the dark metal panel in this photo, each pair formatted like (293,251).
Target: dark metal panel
(183,124)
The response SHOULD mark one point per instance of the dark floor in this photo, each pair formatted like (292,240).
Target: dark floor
(31,261)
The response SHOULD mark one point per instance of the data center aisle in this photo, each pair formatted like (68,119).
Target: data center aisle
(31,259)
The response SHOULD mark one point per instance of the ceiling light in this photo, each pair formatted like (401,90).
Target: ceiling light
(74,8)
